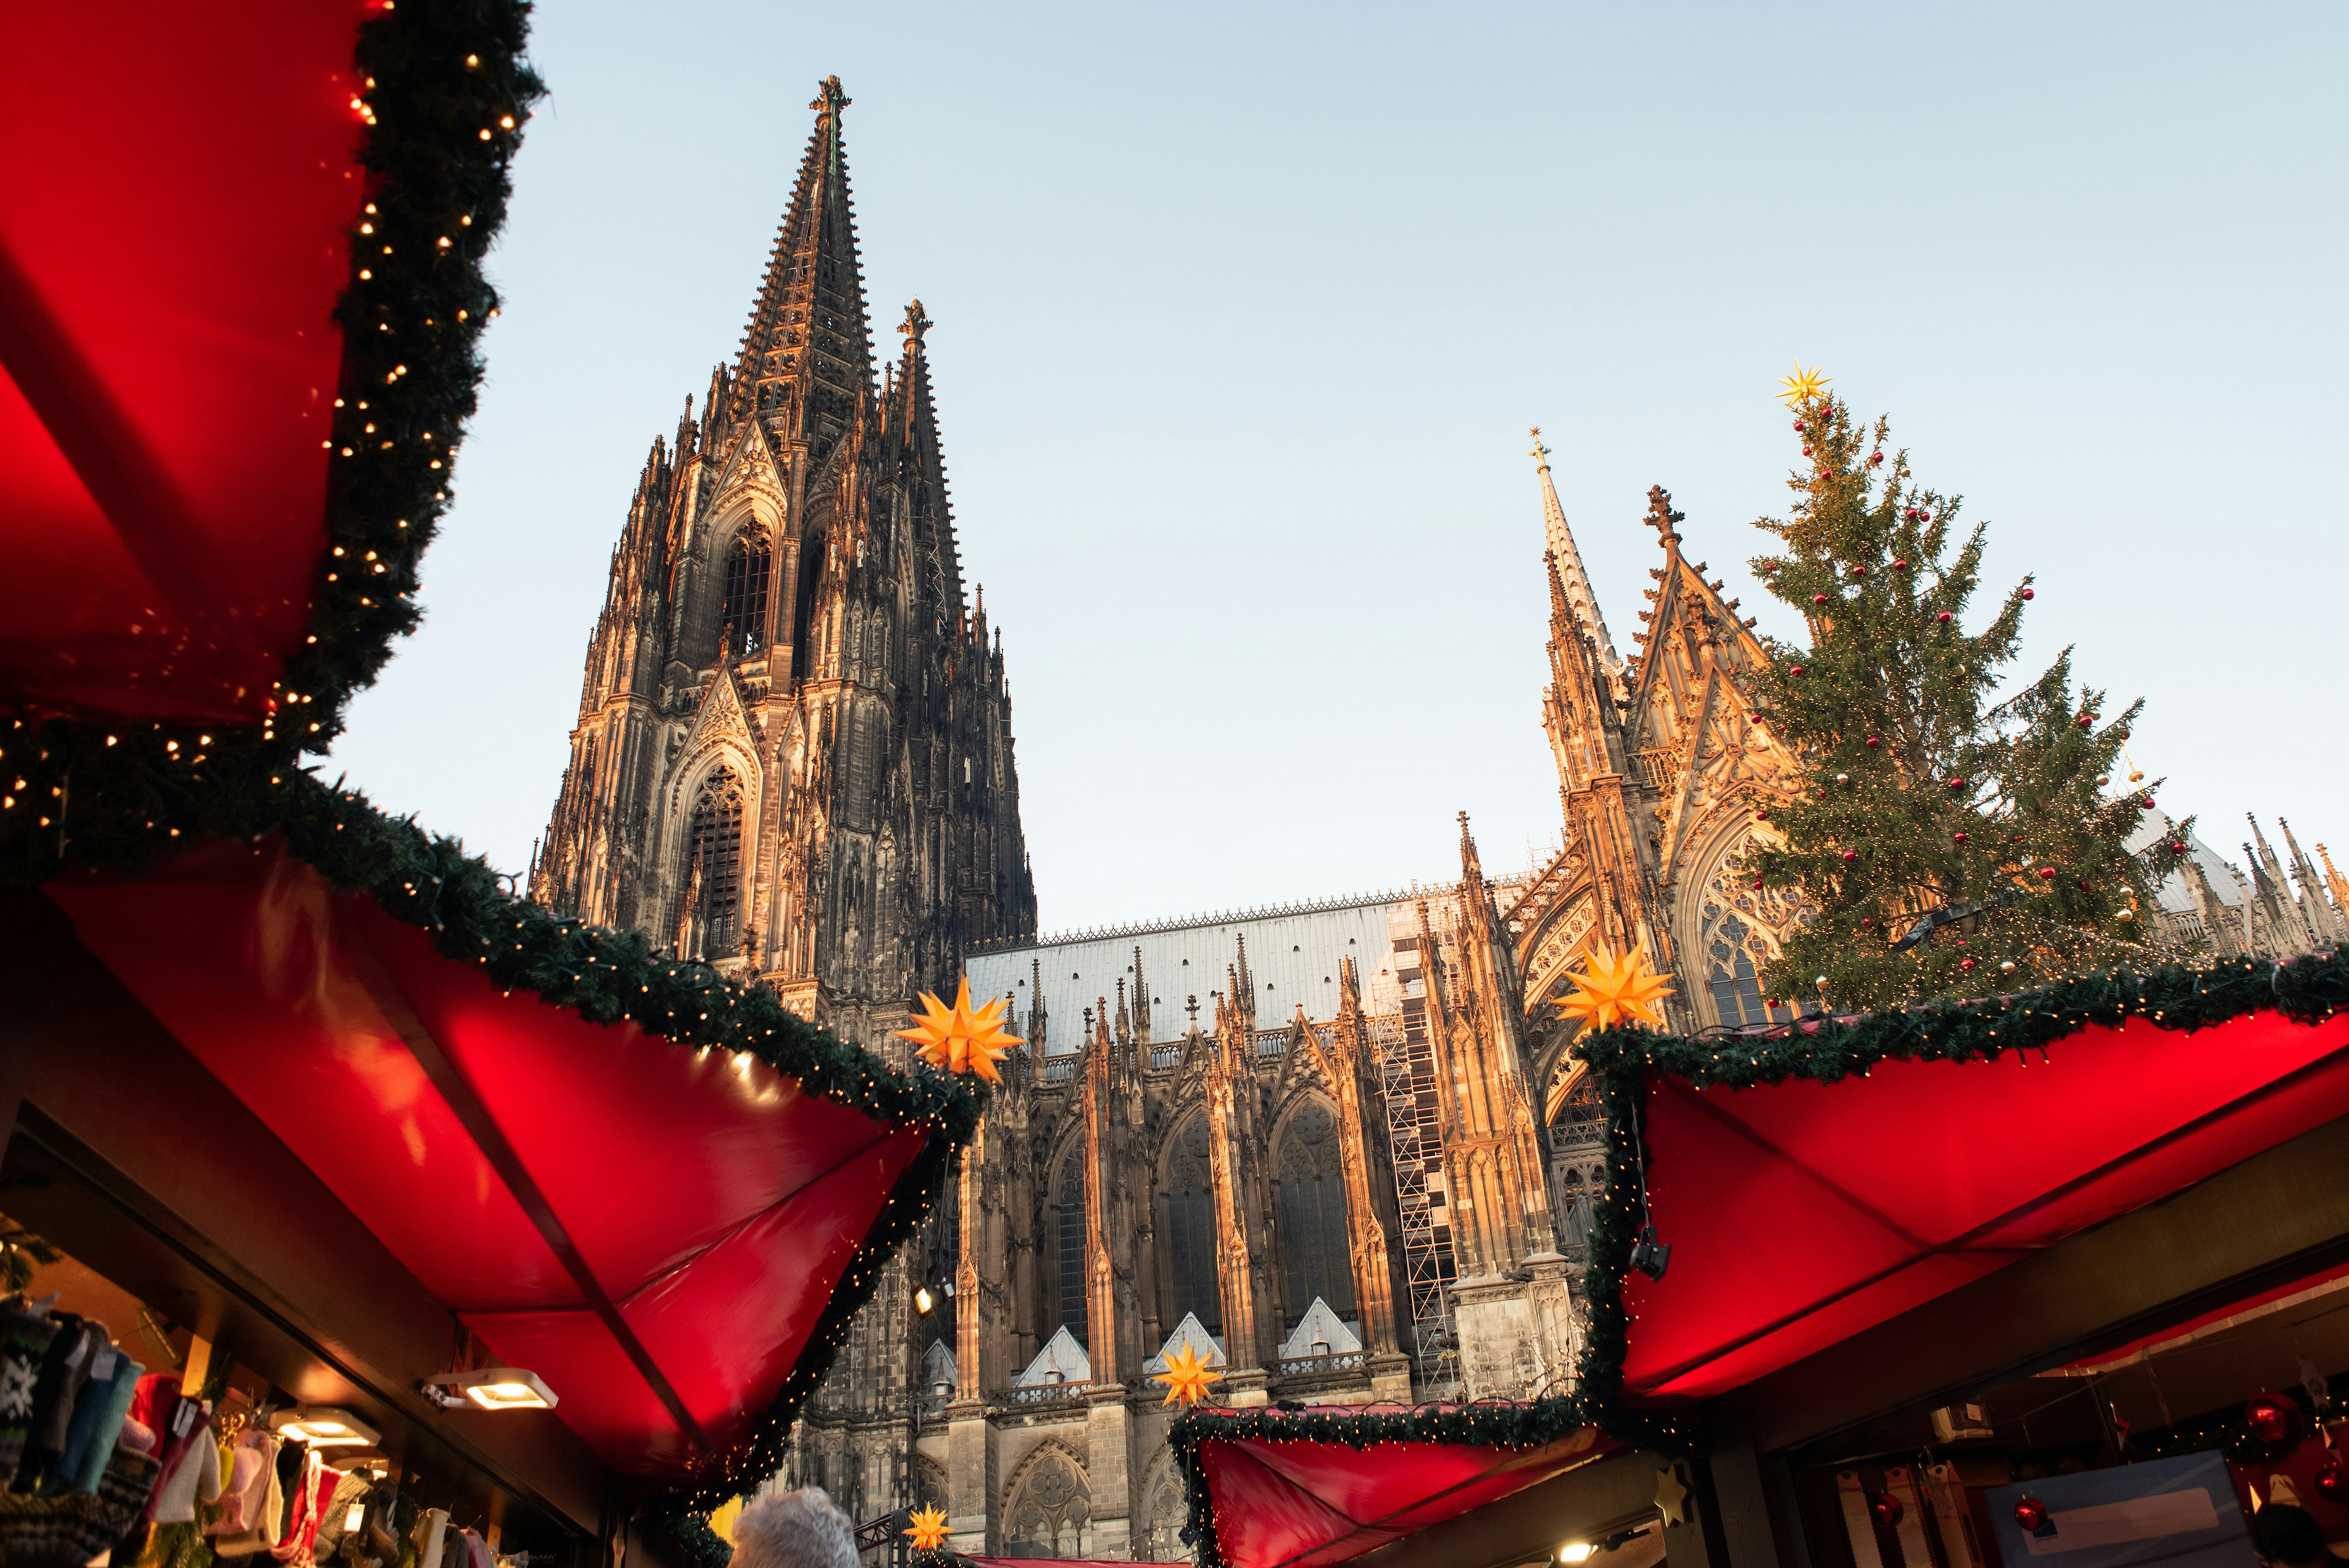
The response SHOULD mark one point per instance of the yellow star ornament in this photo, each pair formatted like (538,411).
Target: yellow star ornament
(929,1528)
(957,1039)
(1187,1376)
(1618,991)
(1803,384)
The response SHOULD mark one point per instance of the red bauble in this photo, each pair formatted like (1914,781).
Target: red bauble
(1965,963)
(2047,873)
(1960,837)
(1799,425)
(1850,856)
(1900,565)
(1859,571)
(1757,884)
(1806,452)
(2176,847)
(1943,618)
(1957,783)
(2028,593)
(1873,742)
(2270,1419)
(1818,599)
(1876,457)
(2087,720)
(1762,817)
(1887,1509)
(2331,1482)
(2032,1514)
(1797,669)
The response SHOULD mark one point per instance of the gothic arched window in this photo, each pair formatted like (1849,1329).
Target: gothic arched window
(1736,992)
(1070,1237)
(1190,1231)
(1315,1239)
(1049,1512)
(713,873)
(744,612)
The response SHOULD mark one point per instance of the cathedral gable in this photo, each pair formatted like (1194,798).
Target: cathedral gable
(721,724)
(750,467)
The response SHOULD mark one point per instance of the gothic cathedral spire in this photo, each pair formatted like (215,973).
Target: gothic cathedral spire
(1572,578)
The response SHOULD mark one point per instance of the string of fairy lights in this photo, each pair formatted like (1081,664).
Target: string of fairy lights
(1626,1059)
(445,94)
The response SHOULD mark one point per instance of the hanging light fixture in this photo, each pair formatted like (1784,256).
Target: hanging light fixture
(322,1427)
(490,1388)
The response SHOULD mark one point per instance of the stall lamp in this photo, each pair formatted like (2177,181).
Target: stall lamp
(924,1301)
(491,1388)
(1575,1552)
(321,1427)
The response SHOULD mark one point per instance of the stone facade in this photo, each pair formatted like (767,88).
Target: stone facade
(1341,1149)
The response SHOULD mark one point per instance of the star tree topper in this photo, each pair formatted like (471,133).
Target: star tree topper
(1618,991)
(957,1040)
(1187,1375)
(1803,384)
(928,1529)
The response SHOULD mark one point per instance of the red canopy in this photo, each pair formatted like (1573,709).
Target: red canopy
(1308,1503)
(653,1229)
(173,235)
(1800,1213)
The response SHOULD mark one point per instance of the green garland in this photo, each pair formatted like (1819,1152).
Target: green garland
(1623,1059)
(437,74)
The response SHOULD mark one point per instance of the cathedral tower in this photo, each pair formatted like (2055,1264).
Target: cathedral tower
(793,755)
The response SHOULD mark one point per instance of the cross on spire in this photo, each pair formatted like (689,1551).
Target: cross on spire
(830,98)
(1540,453)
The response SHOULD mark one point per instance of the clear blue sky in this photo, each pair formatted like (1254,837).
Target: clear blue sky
(1243,312)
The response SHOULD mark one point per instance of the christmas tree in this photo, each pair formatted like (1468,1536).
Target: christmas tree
(1947,842)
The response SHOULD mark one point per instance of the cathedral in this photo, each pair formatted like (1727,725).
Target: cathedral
(1338,1149)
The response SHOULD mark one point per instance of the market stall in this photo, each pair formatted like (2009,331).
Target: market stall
(401,1220)
(1907,1282)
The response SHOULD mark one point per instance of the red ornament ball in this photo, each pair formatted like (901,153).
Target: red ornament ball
(2047,873)
(1762,817)
(1850,856)
(2270,1419)
(1958,836)
(2331,1482)
(1943,618)
(1799,426)
(1887,1509)
(1902,565)
(2031,1514)
(1818,599)
(1874,457)
(2086,720)
(2176,847)
(1957,783)
(1873,741)
(1859,571)
(1806,452)
(2028,593)
(1797,669)
(1965,963)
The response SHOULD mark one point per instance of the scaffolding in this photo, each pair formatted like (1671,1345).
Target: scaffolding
(1415,1141)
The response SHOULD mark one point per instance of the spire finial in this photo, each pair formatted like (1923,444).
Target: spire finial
(1540,453)
(829,98)
(916,325)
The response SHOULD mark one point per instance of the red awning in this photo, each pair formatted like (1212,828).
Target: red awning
(1309,1504)
(181,180)
(653,1229)
(1801,1213)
